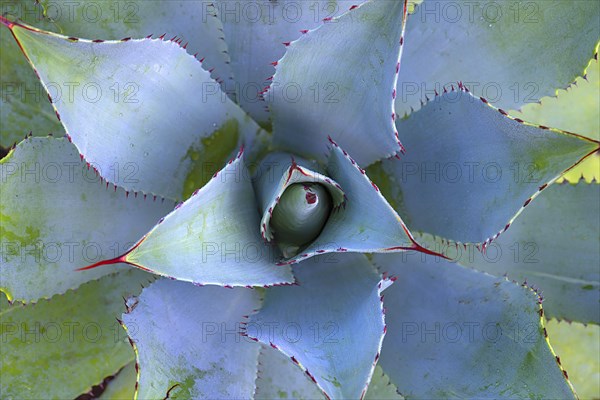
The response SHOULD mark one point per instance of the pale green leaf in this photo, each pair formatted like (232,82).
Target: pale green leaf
(510,52)
(64,346)
(578,347)
(575,109)
(122,386)
(25,106)
(381,388)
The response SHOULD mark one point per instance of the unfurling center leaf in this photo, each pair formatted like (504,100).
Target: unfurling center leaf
(300,216)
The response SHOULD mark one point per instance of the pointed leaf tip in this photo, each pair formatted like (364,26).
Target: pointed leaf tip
(108,124)
(37,259)
(335,104)
(482,170)
(6,22)
(213,237)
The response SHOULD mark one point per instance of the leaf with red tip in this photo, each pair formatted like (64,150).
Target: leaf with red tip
(57,215)
(338,80)
(187,341)
(335,333)
(257,33)
(145,103)
(457,333)
(553,246)
(213,238)
(488,46)
(469,170)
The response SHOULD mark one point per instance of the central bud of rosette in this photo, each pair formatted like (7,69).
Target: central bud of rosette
(296,200)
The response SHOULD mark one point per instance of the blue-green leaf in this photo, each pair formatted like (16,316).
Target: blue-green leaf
(257,34)
(188,344)
(331,325)
(457,333)
(469,170)
(339,80)
(145,103)
(212,238)
(554,246)
(191,23)
(488,45)
(58,215)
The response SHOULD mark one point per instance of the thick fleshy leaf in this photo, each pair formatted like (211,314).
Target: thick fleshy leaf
(480,170)
(212,238)
(257,33)
(57,215)
(23,100)
(189,22)
(336,333)
(64,346)
(122,385)
(354,58)
(457,333)
(555,246)
(355,227)
(575,110)
(279,378)
(277,172)
(488,45)
(144,103)
(579,349)
(188,344)
(380,387)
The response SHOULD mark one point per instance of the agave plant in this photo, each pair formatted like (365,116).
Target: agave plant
(228,207)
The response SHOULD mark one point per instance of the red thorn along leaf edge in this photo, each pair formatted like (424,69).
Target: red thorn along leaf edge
(123,258)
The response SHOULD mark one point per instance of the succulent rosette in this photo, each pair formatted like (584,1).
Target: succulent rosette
(254,187)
